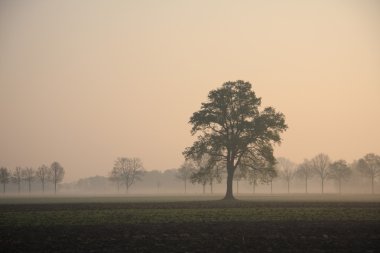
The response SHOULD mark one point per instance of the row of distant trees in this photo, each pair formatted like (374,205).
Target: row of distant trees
(206,171)
(44,174)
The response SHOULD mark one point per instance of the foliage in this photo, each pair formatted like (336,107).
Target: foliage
(232,127)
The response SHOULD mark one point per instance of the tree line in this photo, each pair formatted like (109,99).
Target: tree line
(207,172)
(44,174)
(320,167)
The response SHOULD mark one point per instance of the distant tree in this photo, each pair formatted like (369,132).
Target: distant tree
(232,127)
(305,171)
(239,175)
(339,170)
(216,174)
(200,177)
(56,174)
(259,169)
(206,172)
(28,176)
(42,174)
(185,171)
(129,170)
(253,177)
(115,176)
(17,177)
(286,170)
(369,166)
(4,177)
(321,167)
(268,177)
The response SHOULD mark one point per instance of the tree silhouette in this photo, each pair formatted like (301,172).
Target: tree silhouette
(369,166)
(339,171)
(305,171)
(185,171)
(286,170)
(4,177)
(232,127)
(42,174)
(129,170)
(17,177)
(28,176)
(56,174)
(321,166)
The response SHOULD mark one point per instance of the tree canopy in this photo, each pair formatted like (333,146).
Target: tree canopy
(232,128)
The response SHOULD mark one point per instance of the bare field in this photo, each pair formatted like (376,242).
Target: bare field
(296,223)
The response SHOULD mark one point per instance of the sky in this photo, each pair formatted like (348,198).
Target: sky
(85,82)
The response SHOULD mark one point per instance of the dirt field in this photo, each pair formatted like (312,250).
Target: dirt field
(265,225)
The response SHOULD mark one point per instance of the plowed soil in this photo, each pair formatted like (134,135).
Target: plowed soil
(332,233)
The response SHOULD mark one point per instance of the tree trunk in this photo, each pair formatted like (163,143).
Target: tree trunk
(185,185)
(211,188)
(30,186)
(55,187)
(19,187)
(237,187)
(230,176)
(373,189)
(254,187)
(4,187)
(204,188)
(43,186)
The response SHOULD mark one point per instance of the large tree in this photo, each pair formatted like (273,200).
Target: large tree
(369,166)
(56,174)
(232,127)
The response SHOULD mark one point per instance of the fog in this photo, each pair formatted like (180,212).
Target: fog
(157,183)
(85,82)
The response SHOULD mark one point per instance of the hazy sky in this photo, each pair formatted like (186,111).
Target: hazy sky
(84,82)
